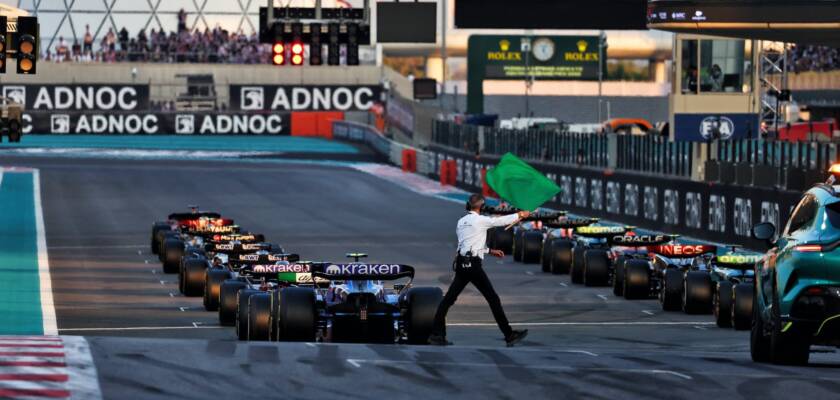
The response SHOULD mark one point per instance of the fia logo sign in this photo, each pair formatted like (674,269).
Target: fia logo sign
(15,93)
(252,98)
(184,124)
(717,127)
(60,123)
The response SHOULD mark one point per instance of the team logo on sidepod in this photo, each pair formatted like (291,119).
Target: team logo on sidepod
(333,269)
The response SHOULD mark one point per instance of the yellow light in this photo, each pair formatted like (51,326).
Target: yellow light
(25,64)
(27,47)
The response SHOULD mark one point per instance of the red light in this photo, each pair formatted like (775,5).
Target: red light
(808,248)
(297,59)
(297,48)
(279,59)
(279,48)
(815,291)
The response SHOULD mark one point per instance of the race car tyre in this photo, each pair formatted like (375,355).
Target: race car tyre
(786,348)
(697,293)
(636,279)
(157,228)
(561,256)
(596,267)
(173,250)
(242,300)
(545,255)
(295,315)
(422,304)
(163,236)
(531,246)
(259,316)
(518,245)
(227,301)
(759,342)
(576,272)
(193,275)
(618,276)
(212,286)
(503,240)
(670,295)
(723,304)
(742,304)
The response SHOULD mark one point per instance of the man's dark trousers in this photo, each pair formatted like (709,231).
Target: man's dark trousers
(478,278)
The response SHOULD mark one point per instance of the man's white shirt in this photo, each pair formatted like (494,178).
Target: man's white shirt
(472,231)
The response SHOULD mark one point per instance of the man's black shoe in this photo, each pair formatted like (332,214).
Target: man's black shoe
(515,337)
(437,340)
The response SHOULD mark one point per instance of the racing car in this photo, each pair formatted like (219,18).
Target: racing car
(683,276)
(734,276)
(186,229)
(797,283)
(200,256)
(592,262)
(524,241)
(559,243)
(639,272)
(347,303)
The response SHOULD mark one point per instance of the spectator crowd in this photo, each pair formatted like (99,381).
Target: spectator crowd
(814,58)
(184,46)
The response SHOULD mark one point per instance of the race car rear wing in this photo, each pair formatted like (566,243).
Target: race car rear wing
(185,216)
(241,237)
(738,261)
(640,240)
(213,230)
(235,248)
(296,273)
(361,272)
(571,223)
(536,216)
(677,250)
(602,231)
(250,258)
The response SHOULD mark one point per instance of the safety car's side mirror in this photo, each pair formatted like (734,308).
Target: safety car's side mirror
(764,231)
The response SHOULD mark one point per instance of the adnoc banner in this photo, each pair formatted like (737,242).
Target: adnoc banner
(78,97)
(144,123)
(303,97)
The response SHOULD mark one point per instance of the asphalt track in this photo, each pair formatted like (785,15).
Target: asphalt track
(149,342)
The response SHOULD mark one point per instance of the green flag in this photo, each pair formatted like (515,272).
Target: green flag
(520,184)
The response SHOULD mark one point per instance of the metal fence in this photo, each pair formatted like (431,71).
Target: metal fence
(782,154)
(654,154)
(547,146)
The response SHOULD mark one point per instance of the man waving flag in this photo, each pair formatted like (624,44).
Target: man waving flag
(520,184)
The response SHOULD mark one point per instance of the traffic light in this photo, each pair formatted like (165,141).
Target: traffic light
(297,53)
(27,44)
(315,50)
(3,33)
(278,51)
(333,47)
(352,44)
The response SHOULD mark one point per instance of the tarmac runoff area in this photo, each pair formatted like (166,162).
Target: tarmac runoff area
(147,341)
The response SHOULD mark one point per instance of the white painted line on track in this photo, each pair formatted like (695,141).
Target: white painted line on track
(310,344)
(183,308)
(602,297)
(619,323)
(83,382)
(140,328)
(648,312)
(171,294)
(702,328)
(50,326)
(564,284)
(357,362)
(529,273)
(162,282)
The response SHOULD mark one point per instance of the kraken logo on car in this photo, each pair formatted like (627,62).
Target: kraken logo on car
(580,192)
(631,199)
(670,207)
(693,210)
(742,217)
(596,194)
(651,206)
(333,269)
